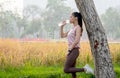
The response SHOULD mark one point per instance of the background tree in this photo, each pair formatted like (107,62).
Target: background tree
(55,12)
(32,15)
(7,24)
(43,23)
(111,22)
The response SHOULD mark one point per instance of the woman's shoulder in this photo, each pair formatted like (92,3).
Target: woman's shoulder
(77,27)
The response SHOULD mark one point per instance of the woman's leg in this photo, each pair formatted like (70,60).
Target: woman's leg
(71,58)
(74,74)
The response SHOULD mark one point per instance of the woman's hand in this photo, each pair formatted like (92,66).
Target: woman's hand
(63,24)
(62,34)
(70,49)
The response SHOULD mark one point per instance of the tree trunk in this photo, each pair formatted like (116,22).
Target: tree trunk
(98,40)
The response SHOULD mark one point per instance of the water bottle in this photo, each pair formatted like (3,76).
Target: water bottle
(67,22)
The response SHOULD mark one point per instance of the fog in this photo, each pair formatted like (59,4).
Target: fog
(101,5)
(40,18)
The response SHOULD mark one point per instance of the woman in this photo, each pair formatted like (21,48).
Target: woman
(73,37)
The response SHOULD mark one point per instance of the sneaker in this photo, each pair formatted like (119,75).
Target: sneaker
(88,69)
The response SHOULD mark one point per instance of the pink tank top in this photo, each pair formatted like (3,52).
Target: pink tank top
(71,38)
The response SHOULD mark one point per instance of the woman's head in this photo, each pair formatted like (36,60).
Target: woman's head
(75,16)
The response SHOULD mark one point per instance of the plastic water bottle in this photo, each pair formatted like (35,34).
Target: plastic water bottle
(67,22)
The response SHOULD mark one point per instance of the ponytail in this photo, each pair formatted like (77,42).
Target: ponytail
(79,16)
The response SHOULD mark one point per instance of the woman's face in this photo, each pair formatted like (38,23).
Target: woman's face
(73,18)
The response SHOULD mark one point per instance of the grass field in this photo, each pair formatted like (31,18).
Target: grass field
(43,72)
(45,59)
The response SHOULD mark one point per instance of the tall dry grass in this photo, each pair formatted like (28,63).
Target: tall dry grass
(16,53)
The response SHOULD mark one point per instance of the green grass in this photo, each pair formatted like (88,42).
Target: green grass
(117,70)
(43,72)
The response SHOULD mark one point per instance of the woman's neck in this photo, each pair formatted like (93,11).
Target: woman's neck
(75,23)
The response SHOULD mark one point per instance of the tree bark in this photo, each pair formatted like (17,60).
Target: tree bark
(98,39)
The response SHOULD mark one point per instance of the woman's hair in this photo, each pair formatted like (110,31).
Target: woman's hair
(79,16)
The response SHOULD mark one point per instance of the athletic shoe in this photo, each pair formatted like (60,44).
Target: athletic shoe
(88,69)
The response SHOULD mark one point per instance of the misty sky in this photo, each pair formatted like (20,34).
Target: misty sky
(101,5)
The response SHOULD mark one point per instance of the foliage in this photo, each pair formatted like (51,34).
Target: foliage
(15,53)
(35,22)
(45,59)
(111,23)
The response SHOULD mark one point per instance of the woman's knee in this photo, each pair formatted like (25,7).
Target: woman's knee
(66,70)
